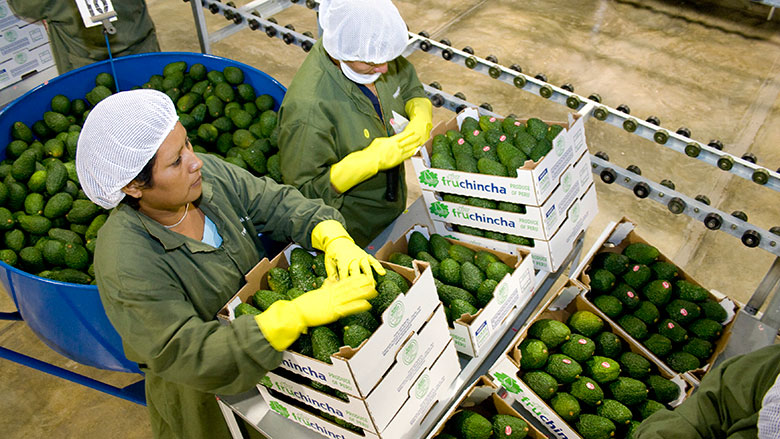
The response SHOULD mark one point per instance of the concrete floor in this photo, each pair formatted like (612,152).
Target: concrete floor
(713,69)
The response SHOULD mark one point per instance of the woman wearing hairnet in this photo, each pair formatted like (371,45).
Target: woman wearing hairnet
(181,236)
(336,141)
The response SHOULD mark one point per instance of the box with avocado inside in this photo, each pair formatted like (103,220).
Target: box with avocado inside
(462,173)
(386,335)
(577,373)
(482,401)
(508,284)
(683,325)
(427,388)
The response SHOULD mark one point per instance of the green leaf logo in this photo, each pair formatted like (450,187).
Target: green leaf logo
(440,209)
(422,387)
(429,178)
(278,408)
(508,382)
(266,381)
(410,352)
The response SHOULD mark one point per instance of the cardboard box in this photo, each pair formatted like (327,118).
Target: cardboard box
(25,62)
(470,333)
(429,387)
(375,412)
(534,182)
(546,255)
(615,238)
(538,222)
(8,18)
(507,369)
(18,38)
(357,371)
(483,398)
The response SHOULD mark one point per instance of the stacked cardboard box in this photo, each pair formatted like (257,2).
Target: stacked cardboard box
(24,47)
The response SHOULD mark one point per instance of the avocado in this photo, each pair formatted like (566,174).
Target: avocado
(53,252)
(536,127)
(602,280)
(481,202)
(24,167)
(497,271)
(66,236)
(563,368)
(401,259)
(509,427)
(355,334)
(452,198)
(433,262)
(57,122)
(418,243)
(246,309)
(56,177)
(658,292)
(461,254)
(706,329)
(542,383)
(396,278)
(471,425)
(35,224)
(641,253)
(579,347)
(31,259)
(659,345)
(647,312)
(471,277)
(22,132)
(587,391)
(511,207)
(664,270)
(324,343)
(449,272)
(509,155)
(303,346)
(635,365)
(595,427)
(628,391)
(279,280)
(274,168)
(9,257)
(609,305)
(444,161)
(247,94)
(567,406)
(519,240)
(637,275)
(440,247)
(485,292)
(608,344)
(691,292)
(682,361)
(364,319)
(387,292)
(673,331)
(241,119)
(82,211)
(585,323)
(440,144)
(7,220)
(614,411)
(533,354)
(683,311)
(549,331)
(649,407)
(491,167)
(76,256)
(33,204)
(602,369)
(302,277)
(661,389)
(299,256)
(713,311)
(293,293)
(37,181)
(459,307)
(635,327)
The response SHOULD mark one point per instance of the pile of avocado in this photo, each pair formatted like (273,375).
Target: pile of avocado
(468,424)
(464,278)
(673,318)
(498,236)
(492,146)
(590,377)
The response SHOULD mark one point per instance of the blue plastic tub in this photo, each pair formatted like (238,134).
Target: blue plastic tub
(69,318)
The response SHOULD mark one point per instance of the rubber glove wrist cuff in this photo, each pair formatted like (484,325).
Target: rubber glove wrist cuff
(326,232)
(281,324)
(355,168)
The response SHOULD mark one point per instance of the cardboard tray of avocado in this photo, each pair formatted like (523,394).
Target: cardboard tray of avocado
(681,324)
(481,413)
(515,160)
(50,227)
(479,288)
(579,369)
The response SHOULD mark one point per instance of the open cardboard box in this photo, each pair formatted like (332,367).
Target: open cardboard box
(566,302)
(615,237)
(515,289)
(357,371)
(535,181)
(538,222)
(483,398)
(429,387)
(546,255)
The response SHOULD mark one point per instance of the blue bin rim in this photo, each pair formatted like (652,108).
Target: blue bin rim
(78,71)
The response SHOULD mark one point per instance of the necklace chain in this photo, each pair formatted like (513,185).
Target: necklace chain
(186,209)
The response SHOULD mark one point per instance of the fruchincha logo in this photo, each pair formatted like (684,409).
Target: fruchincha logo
(266,381)
(560,144)
(566,183)
(575,212)
(396,314)
(10,36)
(508,382)
(410,352)
(278,408)
(422,386)
(429,178)
(503,292)
(20,58)
(440,209)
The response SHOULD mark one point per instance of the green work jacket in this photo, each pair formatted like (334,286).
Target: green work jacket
(162,290)
(324,116)
(725,405)
(75,46)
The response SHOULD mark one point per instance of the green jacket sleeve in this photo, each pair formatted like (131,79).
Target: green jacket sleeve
(412,88)
(30,9)
(726,404)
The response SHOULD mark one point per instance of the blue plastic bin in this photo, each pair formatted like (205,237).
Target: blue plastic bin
(69,318)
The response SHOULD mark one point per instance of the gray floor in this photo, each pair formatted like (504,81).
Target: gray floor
(713,69)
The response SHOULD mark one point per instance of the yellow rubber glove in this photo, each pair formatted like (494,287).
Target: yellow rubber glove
(420,112)
(343,257)
(382,153)
(285,320)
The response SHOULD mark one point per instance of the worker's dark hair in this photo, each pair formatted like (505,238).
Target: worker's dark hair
(144,179)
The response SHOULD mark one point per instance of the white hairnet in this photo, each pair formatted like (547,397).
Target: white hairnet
(362,30)
(121,134)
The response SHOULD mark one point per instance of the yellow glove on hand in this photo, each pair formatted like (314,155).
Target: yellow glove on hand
(382,153)
(343,257)
(420,112)
(285,320)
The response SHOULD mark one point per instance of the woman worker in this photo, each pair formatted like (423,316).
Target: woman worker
(175,249)
(336,141)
